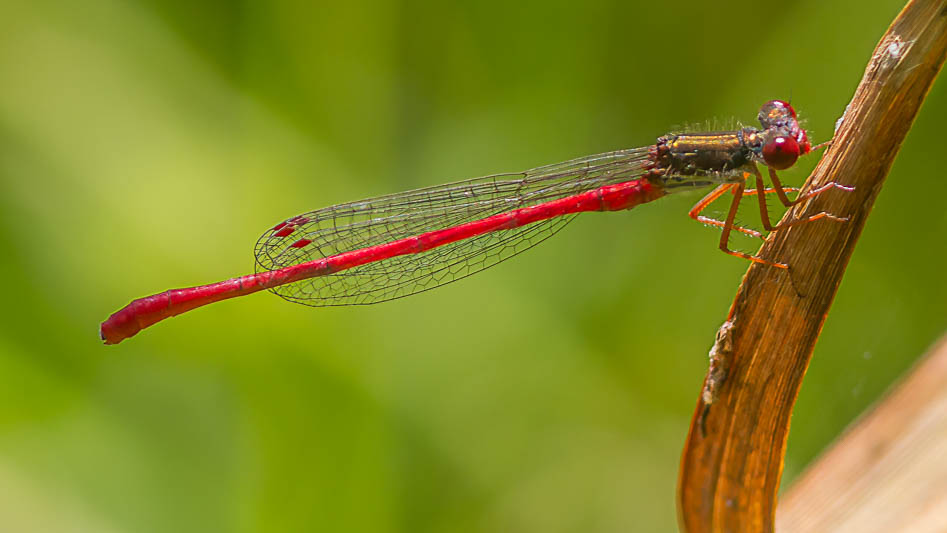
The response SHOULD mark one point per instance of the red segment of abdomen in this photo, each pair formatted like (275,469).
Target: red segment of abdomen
(146,311)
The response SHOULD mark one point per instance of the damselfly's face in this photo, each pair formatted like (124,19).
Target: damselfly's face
(784,139)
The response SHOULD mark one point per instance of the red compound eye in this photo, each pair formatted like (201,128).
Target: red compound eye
(783,105)
(781,152)
(776,113)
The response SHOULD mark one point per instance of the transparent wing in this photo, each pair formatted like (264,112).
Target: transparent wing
(358,225)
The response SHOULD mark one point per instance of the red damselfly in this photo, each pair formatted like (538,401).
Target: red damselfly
(392,246)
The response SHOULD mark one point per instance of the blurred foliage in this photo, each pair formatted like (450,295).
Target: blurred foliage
(145,145)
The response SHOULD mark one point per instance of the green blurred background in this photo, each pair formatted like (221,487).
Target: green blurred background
(146,145)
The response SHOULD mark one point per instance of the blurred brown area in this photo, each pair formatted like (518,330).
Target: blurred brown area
(888,472)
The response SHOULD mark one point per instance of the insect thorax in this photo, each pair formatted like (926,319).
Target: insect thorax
(702,159)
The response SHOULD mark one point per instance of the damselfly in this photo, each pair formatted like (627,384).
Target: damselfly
(392,246)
